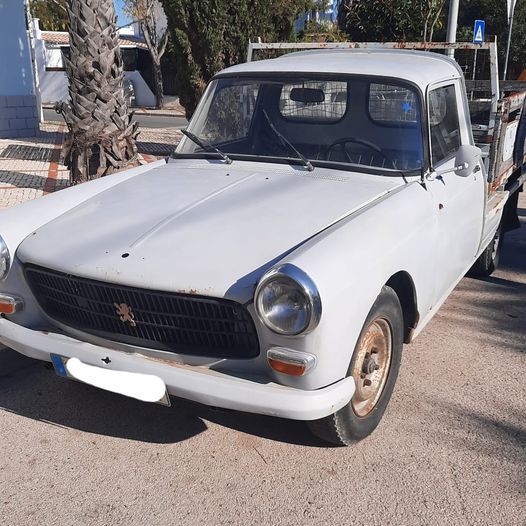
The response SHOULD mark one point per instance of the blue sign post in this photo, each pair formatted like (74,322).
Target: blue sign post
(478,38)
(478,32)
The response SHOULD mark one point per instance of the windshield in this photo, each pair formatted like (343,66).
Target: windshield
(360,122)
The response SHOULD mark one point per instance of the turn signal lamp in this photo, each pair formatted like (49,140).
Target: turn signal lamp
(288,361)
(9,304)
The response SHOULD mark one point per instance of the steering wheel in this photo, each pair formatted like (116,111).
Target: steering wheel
(325,153)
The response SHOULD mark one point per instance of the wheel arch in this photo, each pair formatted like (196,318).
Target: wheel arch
(404,287)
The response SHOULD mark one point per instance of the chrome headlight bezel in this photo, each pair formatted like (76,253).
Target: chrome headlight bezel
(306,286)
(5,259)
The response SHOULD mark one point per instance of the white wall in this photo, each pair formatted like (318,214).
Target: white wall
(18,102)
(143,94)
(16,74)
(53,87)
(54,84)
(131,29)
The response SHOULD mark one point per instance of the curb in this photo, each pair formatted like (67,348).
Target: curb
(159,113)
(52,174)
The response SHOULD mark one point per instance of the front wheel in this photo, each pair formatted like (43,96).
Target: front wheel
(374,367)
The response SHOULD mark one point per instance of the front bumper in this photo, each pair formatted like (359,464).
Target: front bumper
(200,384)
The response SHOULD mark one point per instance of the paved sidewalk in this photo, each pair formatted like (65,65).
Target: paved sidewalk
(171,107)
(158,141)
(32,167)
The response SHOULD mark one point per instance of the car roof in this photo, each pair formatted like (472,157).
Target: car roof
(419,67)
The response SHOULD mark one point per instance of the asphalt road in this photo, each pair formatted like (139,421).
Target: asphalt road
(145,121)
(450,450)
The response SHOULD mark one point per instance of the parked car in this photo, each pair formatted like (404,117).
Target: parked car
(318,212)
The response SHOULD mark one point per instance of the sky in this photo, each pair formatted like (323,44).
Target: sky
(121,17)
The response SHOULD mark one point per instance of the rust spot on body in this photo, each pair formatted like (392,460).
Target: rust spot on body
(193,292)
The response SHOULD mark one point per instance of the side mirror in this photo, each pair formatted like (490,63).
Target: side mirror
(468,156)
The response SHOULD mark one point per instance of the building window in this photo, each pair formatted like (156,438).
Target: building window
(54,59)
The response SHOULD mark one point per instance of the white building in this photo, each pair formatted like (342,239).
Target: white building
(328,14)
(53,83)
(18,103)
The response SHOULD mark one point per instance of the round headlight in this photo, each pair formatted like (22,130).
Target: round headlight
(5,259)
(287,301)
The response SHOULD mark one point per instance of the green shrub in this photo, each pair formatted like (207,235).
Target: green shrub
(209,35)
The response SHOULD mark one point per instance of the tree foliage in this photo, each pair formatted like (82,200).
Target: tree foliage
(322,32)
(209,35)
(494,12)
(53,14)
(415,20)
(391,20)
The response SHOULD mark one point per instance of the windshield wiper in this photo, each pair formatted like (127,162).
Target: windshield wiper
(286,142)
(207,147)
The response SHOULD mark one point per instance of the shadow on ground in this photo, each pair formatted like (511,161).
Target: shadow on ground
(31,389)
(26,152)
(155,148)
(23,180)
(499,301)
(42,136)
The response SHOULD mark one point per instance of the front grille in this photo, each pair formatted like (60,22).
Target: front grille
(181,323)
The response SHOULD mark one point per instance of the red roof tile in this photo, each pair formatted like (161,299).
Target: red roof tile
(61,38)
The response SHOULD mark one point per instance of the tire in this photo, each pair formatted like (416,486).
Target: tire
(488,261)
(358,419)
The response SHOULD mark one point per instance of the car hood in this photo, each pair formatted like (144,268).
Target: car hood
(199,226)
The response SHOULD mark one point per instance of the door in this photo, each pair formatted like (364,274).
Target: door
(459,200)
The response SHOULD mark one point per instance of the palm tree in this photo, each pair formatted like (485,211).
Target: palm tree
(101,135)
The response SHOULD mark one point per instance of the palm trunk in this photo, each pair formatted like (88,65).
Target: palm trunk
(101,135)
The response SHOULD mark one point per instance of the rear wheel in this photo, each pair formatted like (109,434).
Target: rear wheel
(488,261)
(374,367)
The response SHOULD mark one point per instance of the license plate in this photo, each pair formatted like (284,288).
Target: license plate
(144,387)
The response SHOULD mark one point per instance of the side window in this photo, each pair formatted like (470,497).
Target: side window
(231,113)
(443,123)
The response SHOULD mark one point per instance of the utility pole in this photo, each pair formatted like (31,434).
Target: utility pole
(452,25)
(511,9)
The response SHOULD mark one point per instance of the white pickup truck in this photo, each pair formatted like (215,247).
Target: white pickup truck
(320,209)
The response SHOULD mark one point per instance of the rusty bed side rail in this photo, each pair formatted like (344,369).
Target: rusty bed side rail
(508,153)
(365,45)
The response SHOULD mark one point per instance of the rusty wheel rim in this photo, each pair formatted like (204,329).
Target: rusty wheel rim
(371,366)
